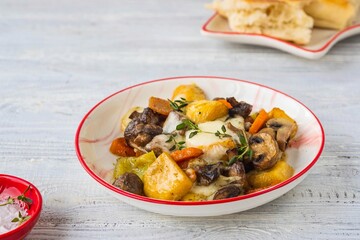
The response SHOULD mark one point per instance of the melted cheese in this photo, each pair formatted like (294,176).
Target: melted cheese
(214,147)
(210,190)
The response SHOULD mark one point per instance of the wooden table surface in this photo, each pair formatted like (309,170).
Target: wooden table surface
(59,58)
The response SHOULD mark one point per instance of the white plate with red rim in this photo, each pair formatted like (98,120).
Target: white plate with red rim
(322,40)
(102,124)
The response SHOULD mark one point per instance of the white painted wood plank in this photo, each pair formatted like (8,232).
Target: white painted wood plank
(59,58)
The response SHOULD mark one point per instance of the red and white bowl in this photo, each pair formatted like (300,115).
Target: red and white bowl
(14,186)
(102,124)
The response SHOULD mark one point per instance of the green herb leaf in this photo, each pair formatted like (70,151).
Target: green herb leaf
(177,105)
(181,126)
(192,134)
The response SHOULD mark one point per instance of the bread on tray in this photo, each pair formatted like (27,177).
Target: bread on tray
(290,20)
(283,19)
(334,14)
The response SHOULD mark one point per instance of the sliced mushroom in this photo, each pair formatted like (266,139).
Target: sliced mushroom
(268,130)
(229,191)
(130,182)
(284,129)
(238,170)
(205,175)
(266,150)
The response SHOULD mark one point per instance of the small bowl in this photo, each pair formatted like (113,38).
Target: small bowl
(14,186)
(102,124)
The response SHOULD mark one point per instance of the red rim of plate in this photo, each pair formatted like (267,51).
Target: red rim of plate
(324,47)
(37,210)
(209,202)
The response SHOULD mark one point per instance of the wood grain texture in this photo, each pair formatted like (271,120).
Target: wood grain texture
(59,58)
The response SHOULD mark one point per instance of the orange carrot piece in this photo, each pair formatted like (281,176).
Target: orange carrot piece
(160,105)
(119,147)
(186,154)
(226,103)
(259,121)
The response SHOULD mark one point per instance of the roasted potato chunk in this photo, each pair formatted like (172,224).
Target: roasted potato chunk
(164,179)
(190,92)
(205,110)
(266,178)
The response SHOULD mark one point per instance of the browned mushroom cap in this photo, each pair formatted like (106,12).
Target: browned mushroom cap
(130,182)
(229,191)
(266,150)
(207,174)
(284,129)
(239,108)
(142,128)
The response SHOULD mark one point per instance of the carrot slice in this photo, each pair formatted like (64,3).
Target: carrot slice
(186,154)
(259,121)
(160,105)
(119,147)
(226,103)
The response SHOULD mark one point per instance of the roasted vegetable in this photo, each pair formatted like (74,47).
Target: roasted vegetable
(284,129)
(143,128)
(191,197)
(189,92)
(265,151)
(186,154)
(266,178)
(164,179)
(229,191)
(119,147)
(130,182)
(226,103)
(160,105)
(259,121)
(126,119)
(137,165)
(205,110)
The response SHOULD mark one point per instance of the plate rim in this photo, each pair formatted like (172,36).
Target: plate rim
(334,39)
(196,203)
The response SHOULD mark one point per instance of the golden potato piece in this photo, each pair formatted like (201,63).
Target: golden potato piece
(164,179)
(205,110)
(277,174)
(190,92)
(192,197)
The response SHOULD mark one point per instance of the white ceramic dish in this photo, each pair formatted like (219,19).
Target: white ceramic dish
(322,40)
(102,124)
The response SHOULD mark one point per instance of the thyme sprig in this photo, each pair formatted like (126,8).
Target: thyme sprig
(177,145)
(189,125)
(177,105)
(243,150)
(22,198)
(222,134)
(20,219)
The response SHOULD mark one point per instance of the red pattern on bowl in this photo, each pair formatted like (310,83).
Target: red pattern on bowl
(14,186)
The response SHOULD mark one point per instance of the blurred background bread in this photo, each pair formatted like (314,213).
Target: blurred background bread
(334,14)
(283,19)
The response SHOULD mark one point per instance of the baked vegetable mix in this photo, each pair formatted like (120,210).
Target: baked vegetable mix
(191,148)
